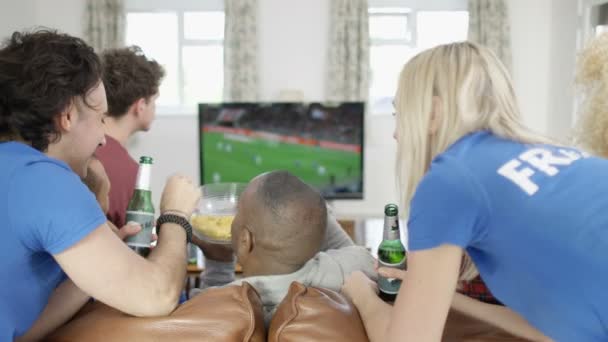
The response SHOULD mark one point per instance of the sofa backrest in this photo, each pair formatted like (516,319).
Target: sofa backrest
(315,314)
(232,313)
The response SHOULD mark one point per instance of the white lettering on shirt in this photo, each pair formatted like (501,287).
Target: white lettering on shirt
(541,159)
(519,177)
(574,155)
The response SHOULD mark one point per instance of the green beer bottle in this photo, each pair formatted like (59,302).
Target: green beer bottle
(141,209)
(192,254)
(391,253)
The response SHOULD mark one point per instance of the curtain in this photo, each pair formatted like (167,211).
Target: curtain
(105,24)
(489,26)
(348,56)
(241,50)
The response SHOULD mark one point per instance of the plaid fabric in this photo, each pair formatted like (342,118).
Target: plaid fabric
(477,289)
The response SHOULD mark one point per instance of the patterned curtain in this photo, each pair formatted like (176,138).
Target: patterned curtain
(105,23)
(348,55)
(241,50)
(489,26)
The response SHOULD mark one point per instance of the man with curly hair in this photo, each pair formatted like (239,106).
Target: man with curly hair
(52,110)
(132,82)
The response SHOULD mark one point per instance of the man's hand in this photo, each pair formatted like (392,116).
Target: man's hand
(129,229)
(98,182)
(213,251)
(179,196)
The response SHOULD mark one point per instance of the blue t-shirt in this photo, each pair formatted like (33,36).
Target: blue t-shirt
(534,219)
(44,209)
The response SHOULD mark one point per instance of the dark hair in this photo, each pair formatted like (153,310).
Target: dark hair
(41,72)
(128,76)
(299,215)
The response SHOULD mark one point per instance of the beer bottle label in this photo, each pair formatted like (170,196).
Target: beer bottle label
(390,285)
(146,221)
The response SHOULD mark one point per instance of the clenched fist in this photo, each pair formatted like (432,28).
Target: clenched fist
(179,196)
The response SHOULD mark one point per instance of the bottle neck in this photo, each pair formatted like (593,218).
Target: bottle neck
(391,228)
(143,177)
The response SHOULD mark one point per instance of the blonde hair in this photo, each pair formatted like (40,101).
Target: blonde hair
(468,89)
(591,131)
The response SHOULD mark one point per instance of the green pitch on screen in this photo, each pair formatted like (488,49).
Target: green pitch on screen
(239,160)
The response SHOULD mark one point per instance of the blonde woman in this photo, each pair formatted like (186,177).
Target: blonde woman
(532,216)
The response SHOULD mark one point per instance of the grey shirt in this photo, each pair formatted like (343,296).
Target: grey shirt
(328,269)
(335,236)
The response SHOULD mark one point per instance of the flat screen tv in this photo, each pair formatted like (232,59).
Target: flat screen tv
(321,143)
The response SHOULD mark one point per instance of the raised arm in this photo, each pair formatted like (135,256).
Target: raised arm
(377,314)
(105,268)
(499,316)
(423,302)
(425,297)
(66,300)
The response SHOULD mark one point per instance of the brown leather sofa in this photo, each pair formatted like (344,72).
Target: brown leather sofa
(299,317)
(234,313)
(231,313)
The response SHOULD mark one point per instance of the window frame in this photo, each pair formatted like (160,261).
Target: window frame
(410,18)
(179,7)
(410,9)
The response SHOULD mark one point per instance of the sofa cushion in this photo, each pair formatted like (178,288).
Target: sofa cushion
(232,313)
(315,314)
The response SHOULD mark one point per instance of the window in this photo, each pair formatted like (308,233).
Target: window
(397,33)
(187,38)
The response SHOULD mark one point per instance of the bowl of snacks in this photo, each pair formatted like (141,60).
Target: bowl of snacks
(213,216)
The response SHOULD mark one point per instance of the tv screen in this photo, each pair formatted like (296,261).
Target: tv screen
(318,142)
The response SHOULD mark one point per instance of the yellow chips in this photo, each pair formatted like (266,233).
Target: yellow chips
(213,227)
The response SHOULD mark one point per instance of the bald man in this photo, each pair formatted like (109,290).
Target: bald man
(282,233)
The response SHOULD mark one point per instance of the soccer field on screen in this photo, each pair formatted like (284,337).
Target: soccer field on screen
(236,158)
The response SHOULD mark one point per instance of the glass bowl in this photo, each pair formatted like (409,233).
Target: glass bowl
(213,216)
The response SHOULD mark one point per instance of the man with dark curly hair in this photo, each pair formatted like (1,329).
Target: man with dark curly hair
(132,82)
(54,235)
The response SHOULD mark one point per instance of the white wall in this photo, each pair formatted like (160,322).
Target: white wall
(543,34)
(66,15)
(292,47)
(565,20)
(292,54)
(15,15)
(530,39)
(173,143)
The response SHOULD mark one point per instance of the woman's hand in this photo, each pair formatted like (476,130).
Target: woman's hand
(358,287)
(389,272)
